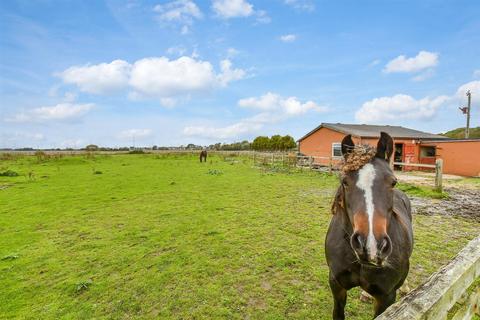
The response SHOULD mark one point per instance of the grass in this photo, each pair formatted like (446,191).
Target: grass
(422,191)
(167,237)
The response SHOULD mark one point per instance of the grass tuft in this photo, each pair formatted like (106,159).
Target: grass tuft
(9,257)
(83,285)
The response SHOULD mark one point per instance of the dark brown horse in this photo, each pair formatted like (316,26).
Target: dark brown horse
(203,156)
(370,239)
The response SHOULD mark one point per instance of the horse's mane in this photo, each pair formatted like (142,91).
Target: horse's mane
(359,156)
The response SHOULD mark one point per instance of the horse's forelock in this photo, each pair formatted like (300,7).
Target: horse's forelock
(358,157)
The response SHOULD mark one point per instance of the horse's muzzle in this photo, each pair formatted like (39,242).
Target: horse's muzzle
(371,255)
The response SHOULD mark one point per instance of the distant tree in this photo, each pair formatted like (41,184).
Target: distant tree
(288,143)
(261,143)
(154,148)
(91,147)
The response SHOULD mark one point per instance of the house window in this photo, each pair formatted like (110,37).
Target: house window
(427,152)
(336,149)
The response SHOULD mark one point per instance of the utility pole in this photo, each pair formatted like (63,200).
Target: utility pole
(467,129)
(466,110)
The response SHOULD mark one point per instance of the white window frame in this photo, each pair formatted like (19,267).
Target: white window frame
(338,145)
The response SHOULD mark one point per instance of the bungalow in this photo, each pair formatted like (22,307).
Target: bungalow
(461,157)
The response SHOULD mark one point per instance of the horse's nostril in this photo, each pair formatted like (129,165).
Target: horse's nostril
(385,246)
(357,242)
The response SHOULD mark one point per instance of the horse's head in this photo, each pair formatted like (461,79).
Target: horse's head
(367,187)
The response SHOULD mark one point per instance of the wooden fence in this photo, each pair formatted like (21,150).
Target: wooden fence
(438,166)
(434,299)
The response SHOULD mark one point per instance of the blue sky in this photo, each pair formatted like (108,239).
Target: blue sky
(187,71)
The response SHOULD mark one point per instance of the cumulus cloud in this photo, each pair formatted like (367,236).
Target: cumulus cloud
(162,77)
(473,86)
(98,79)
(273,102)
(288,38)
(421,61)
(179,11)
(227,9)
(232,8)
(135,133)
(399,107)
(271,108)
(228,74)
(156,77)
(61,111)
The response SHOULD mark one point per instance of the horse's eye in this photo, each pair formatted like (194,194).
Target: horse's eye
(345,182)
(394,183)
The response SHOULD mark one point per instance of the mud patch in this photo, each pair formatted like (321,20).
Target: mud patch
(461,202)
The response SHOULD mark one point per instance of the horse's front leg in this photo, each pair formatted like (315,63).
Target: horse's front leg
(339,298)
(382,302)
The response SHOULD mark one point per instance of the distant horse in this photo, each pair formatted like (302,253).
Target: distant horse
(203,156)
(370,238)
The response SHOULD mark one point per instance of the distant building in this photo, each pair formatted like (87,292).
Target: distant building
(460,156)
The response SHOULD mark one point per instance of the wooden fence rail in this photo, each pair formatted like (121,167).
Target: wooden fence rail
(434,299)
(438,166)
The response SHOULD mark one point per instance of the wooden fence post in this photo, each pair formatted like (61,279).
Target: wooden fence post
(438,174)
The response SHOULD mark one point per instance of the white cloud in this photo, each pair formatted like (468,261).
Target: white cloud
(179,11)
(61,111)
(288,38)
(161,77)
(98,79)
(422,60)
(290,106)
(473,86)
(304,5)
(272,108)
(399,107)
(232,8)
(156,77)
(135,134)
(228,74)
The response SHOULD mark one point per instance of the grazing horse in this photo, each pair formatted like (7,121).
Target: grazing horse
(370,239)
(203,156)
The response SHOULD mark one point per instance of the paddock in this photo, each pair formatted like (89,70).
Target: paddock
(164,236)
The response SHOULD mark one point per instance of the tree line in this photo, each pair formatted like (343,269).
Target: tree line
(260,143)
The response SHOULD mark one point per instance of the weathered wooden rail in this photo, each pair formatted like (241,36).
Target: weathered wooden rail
(438,166)
(434,299)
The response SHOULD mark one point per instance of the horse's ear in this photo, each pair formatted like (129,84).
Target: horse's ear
(347,145)
(384,147)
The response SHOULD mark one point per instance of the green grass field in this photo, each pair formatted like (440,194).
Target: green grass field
(145,236)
